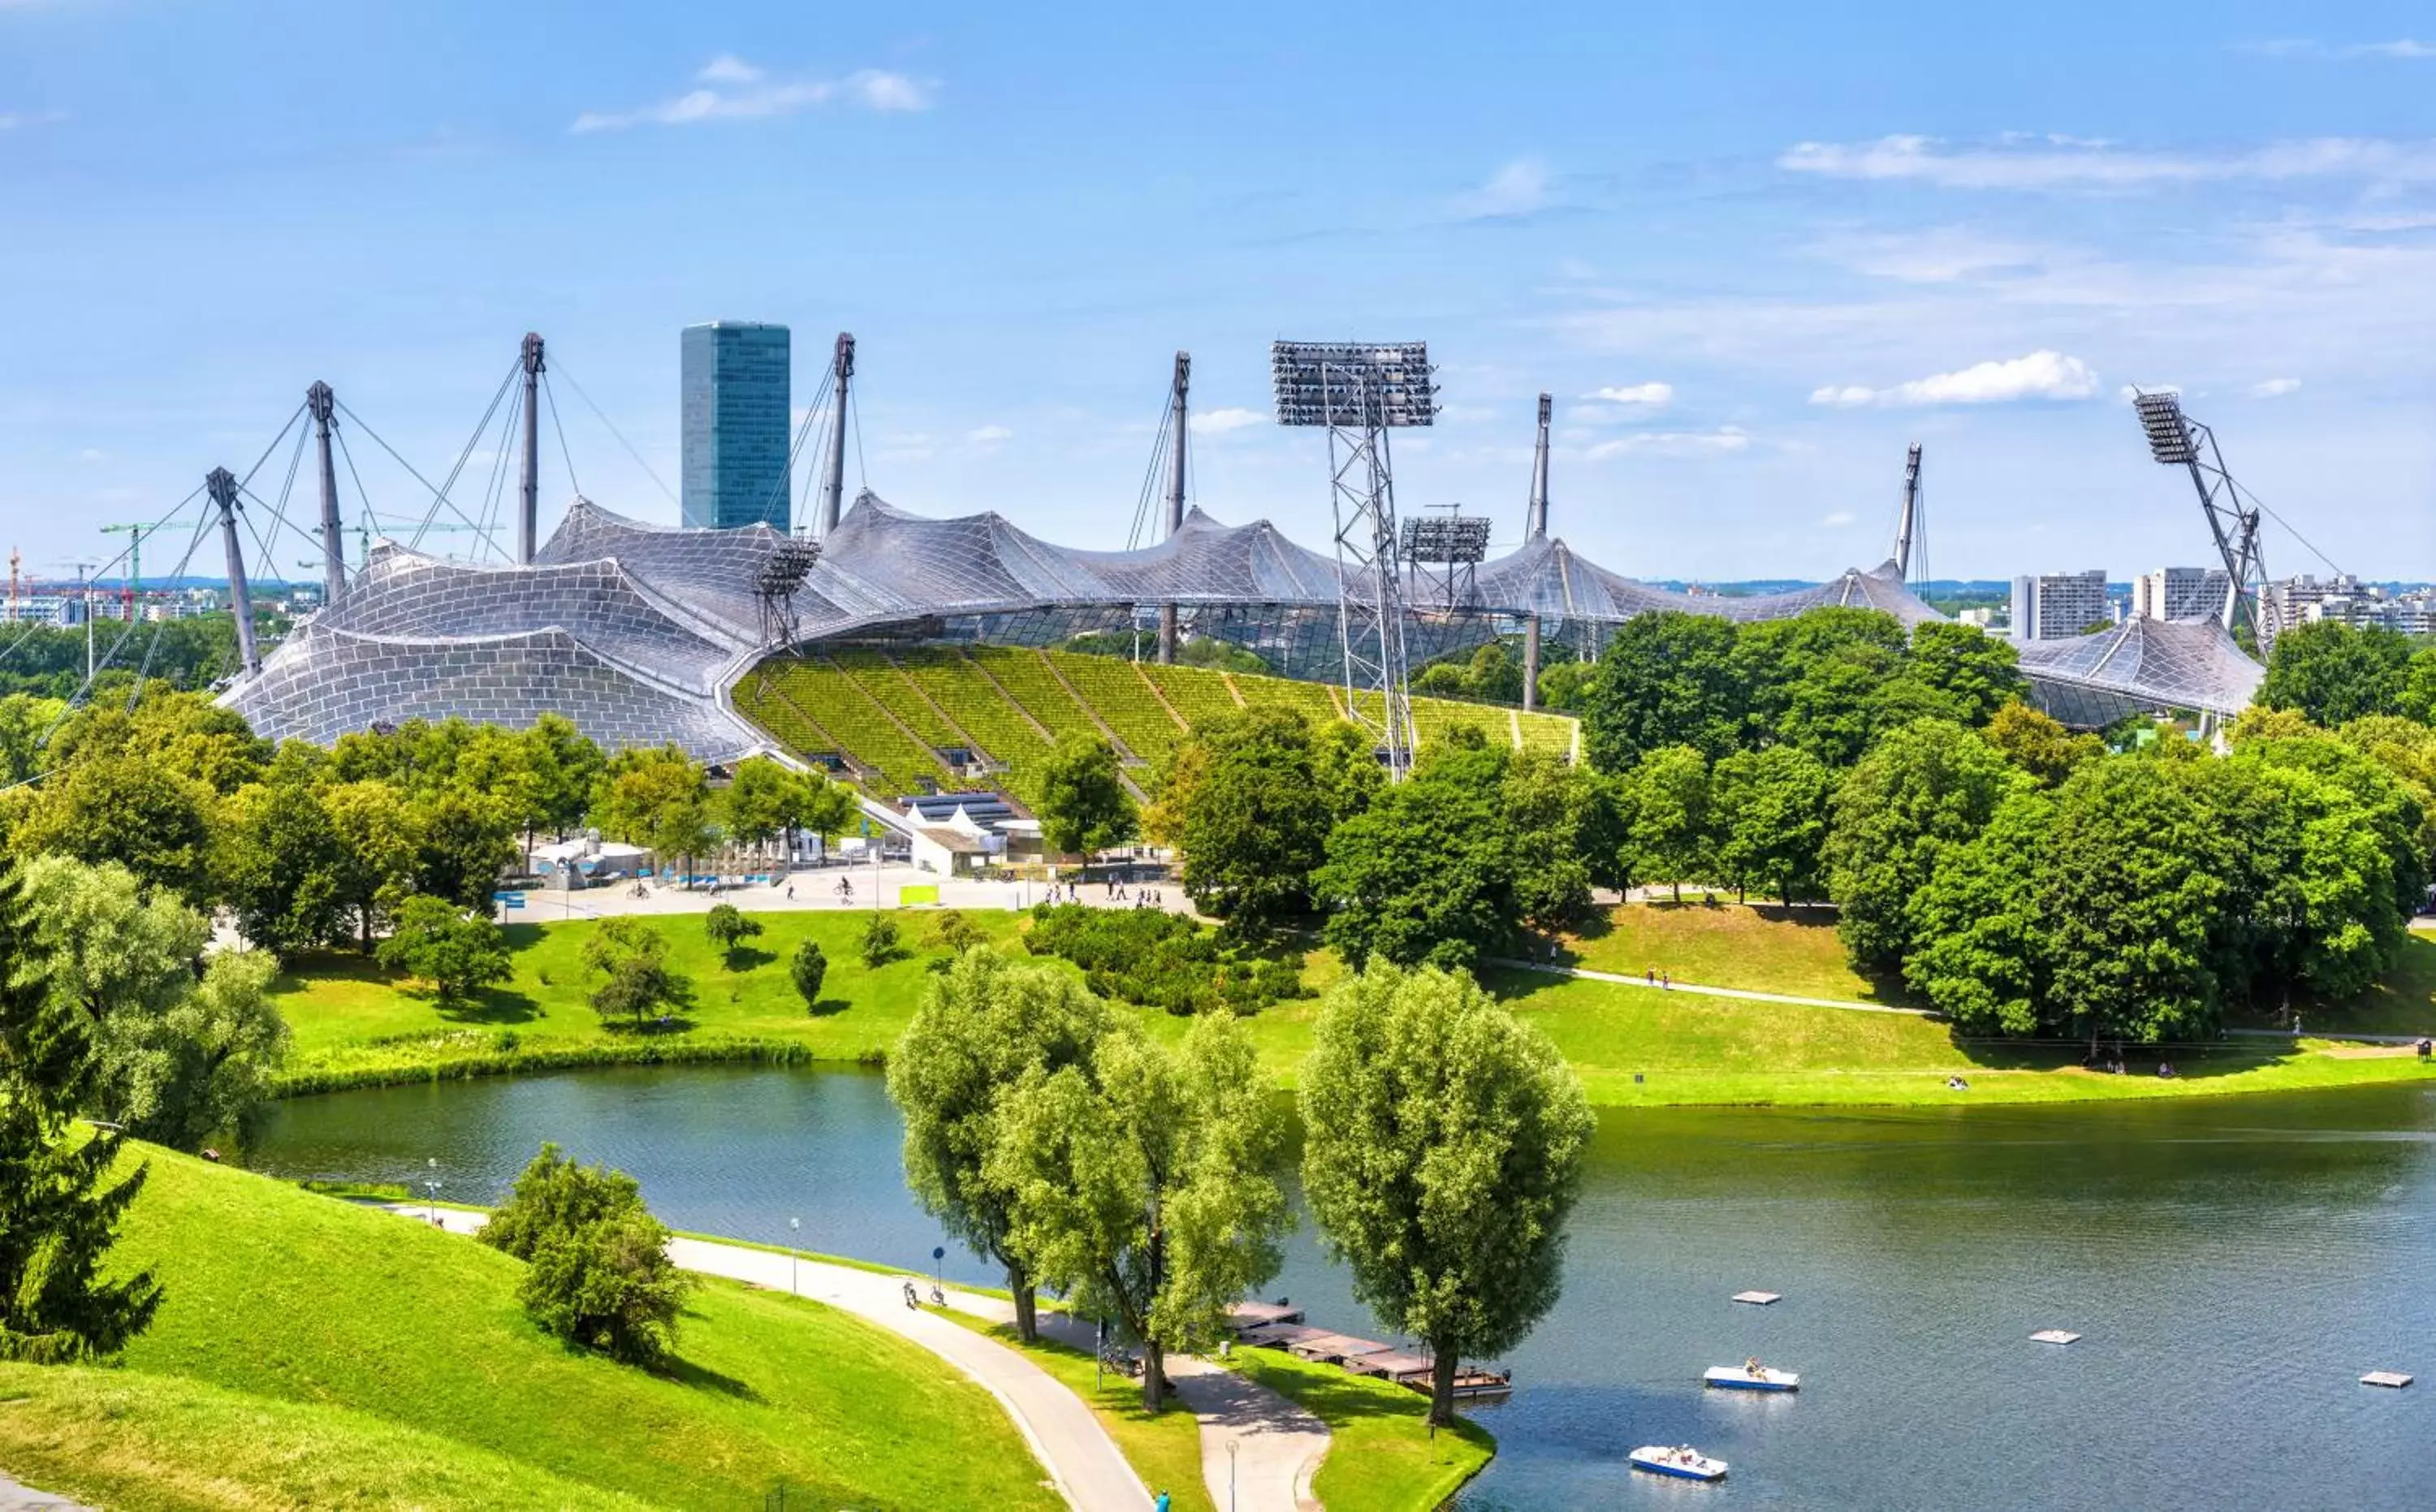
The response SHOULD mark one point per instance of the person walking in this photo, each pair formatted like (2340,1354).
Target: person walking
(1161,1504)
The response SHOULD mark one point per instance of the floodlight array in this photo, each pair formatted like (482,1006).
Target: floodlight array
(788,563)
(1359,385)
(1459,539)
(2169,434)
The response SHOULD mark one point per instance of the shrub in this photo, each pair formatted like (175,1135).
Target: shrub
(728,929)
(1160,959)
(810,967)
(954,933)
(456,952)
(635,986)
(600,1276)
(882,941)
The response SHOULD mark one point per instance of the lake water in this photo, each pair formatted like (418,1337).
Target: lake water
(2235,1265)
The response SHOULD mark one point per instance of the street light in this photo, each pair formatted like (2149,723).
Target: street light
(794,1259)
(1231,1445)
(431,1187)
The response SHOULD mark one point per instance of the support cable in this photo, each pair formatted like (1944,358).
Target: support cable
(438,496)
(572,486)
(558,365)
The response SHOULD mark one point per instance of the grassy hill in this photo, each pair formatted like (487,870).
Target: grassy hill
(314,1352)
(904,719)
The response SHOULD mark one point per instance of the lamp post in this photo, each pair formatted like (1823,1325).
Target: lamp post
(794,1260)
(431,1188)
(1232,1445)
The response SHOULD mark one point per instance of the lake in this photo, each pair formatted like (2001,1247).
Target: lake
(2235,1265)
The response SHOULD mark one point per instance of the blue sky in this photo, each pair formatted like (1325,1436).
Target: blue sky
(1753,251)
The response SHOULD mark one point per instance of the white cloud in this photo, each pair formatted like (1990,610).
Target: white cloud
(2400,47)
(2274,388)
(1723,440)
(2064,162)
(1518,188)
(1653,395)
(1218,422)
(92,454)
(733,88)
(1838,520)
(989,435)
(19,120)
(2039,375)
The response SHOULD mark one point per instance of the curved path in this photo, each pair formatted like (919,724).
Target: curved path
(1277,1445)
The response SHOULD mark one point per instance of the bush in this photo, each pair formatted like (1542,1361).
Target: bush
(635,986)
(728,929)
(1160,959)
(882,941)
(600,1274)
(456,952)
(954,933)
(811,967)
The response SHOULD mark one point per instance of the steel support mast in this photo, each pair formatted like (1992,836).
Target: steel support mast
(221,485)
(833,477)
(528,492)
(1177,430)
(1906,521)
(1534,530)
(322,404)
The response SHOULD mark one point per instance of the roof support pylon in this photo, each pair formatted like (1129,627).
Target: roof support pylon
(529,494)
(1177,430)
(221,485)
(833,480)
(322,405)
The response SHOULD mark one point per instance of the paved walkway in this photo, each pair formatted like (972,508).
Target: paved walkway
(816,891)
(1279,1445)
(16,1497)
(1551,969)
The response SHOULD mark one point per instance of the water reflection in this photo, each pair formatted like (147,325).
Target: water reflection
(2235,1265)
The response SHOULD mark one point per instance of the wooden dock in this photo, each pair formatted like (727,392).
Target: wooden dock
(1270,1326)
(2396,1379)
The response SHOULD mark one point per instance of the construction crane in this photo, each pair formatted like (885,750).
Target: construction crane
(135,534)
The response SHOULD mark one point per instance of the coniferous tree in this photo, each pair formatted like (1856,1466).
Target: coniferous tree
(60,1195)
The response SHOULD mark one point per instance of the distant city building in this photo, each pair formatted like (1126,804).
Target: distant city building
(1983,617)
(734,395)
(42,609)
(2180,592)
(2060,605)
(2343,600)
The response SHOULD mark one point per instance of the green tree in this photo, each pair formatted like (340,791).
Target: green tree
(599,1274)
(2130,904)
(765,800)
(1565,838)
(281,865)
(1670,831)
(1143,1184)
(728,928)
(659,798)
(2417,699)
(60,1298)
(380,849)
(1664,679)
(1426,873)
(882,941)
(636,988)
(135,810)
(2334,673)
(2039,746)
(1922,787)
(1083,805)
(1241,800)
(810,967)
(210,1061)
(1566,686)
(456,951)
(1443,1144)
(1980,672)
(464,841)
(984,1025)
(1979,924)
(565,766)
(1768,813)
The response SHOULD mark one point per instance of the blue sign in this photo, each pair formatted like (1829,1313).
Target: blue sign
(515,902)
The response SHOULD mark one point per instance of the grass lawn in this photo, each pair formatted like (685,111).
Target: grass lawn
(1382,1456)
(1723,944)
(353,1022)
(303,1319)
(1164,1449)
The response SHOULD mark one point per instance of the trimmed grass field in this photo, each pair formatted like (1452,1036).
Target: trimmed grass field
(1382,1456)
(351,1025)
(399,1357)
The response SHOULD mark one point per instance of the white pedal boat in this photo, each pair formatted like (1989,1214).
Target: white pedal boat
(1743,1378)
(1683,1463)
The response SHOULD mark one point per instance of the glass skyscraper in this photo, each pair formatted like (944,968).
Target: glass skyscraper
(735,400)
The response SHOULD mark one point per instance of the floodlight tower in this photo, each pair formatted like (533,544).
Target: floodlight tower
(322,405)
(1909,518)
(781,573)
(223,486)
(528,496)
(1534,530)
(1359,392)
(2178,441)
(1177,430)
